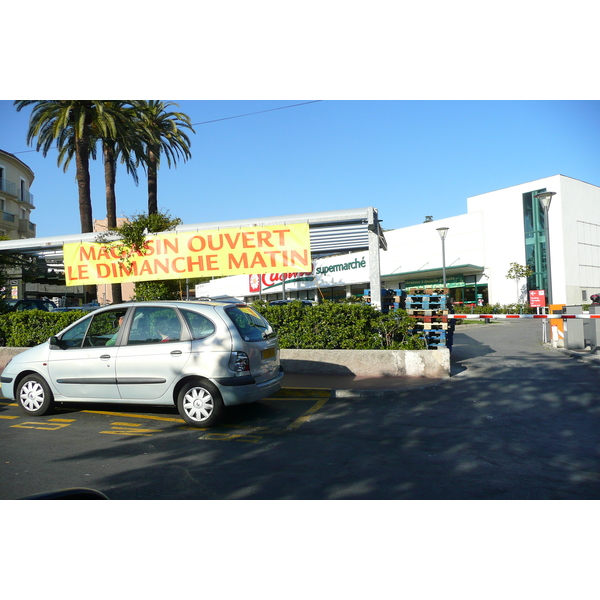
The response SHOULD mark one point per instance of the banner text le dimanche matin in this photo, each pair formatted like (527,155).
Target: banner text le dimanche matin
(245,250)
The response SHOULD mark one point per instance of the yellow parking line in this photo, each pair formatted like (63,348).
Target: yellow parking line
(311,411)
(118,414)
(7,417)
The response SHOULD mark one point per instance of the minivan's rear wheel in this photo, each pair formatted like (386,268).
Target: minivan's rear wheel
(200,403)
(34,395)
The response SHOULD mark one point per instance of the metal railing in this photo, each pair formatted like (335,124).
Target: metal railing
(8,186)
(25,196)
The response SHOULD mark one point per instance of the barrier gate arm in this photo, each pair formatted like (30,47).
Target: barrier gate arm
(547,317)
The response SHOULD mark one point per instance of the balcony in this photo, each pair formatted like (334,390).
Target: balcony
(26,229)
(25,196)
(8,217)
(8,187)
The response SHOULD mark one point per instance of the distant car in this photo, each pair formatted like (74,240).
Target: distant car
(85,308)
(198,356)
(282,302)
(31,304)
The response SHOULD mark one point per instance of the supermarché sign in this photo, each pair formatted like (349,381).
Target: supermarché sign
(345,266)
(325,272)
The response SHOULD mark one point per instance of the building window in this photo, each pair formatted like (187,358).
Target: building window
(535,241)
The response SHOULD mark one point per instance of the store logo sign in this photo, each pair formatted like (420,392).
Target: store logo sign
(270,280)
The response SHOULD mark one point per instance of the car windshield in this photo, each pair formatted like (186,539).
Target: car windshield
(253,327)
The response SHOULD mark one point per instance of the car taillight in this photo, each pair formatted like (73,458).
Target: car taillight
(239,362)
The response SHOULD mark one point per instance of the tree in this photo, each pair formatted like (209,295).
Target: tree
(126,145)
(162,133)
(518,272)
(76,124)
(131,239)
(121,142)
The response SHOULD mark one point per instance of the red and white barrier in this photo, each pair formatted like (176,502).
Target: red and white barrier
(477,316)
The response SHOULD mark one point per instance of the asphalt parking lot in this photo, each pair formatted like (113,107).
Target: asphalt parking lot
(515,421)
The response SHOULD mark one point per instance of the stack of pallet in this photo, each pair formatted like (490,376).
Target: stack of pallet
(390,299)
(430,307)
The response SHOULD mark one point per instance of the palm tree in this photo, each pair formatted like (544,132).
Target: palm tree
(71,122)
(161,131)
(126,145)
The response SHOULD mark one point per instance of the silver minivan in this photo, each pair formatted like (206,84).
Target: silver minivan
(198,356)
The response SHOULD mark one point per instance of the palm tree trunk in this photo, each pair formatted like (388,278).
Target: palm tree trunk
(152,183)
(110,177)
(82,162)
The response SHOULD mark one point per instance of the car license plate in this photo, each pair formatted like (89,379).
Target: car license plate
(268,353)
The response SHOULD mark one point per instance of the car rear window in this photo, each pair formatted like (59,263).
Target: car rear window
(253,327)
(200,326)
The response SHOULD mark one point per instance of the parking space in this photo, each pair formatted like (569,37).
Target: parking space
(279,414)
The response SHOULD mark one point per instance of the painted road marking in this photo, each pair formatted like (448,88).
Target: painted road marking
(241,437)
(308,414)
(130,429)
(120,414)
(50,425)
(244,434)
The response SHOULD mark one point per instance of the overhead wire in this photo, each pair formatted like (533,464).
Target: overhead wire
(259,112)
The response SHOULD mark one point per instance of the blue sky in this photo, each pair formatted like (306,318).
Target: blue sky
(407,158)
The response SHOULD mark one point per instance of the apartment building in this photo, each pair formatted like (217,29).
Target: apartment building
(16,201)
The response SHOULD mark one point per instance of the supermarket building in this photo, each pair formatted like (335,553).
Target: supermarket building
(501,227)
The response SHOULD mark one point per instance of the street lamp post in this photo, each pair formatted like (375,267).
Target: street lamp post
(443,231)
(545,199)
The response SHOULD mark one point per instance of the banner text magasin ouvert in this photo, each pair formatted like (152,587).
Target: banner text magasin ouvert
(267,249)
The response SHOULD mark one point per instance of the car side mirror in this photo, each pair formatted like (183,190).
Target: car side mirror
(56,343)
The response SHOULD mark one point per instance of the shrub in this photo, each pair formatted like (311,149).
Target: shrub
(500,309)
(32,327)
(339,326)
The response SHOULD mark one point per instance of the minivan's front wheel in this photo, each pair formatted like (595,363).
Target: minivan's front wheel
(34,395)
(200,403)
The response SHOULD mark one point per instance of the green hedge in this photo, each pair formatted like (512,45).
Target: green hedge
(499,309)
(32,327)
(330,325)
(345,326)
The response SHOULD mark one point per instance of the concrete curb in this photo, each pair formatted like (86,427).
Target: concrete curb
(582,355)
(368,363)
(7,353)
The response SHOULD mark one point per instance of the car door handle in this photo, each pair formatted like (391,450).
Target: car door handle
(105,357)
(176,353)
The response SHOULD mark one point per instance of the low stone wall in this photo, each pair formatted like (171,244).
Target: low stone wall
(7,353)
(361,363)
(368,363)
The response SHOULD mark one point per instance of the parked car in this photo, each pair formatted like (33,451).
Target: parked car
(31,304)
(198,356)
(282,302)
(84,308)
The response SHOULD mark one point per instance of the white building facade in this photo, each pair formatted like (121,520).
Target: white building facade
(501,227)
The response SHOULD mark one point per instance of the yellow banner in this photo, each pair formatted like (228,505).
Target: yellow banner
(245,250)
